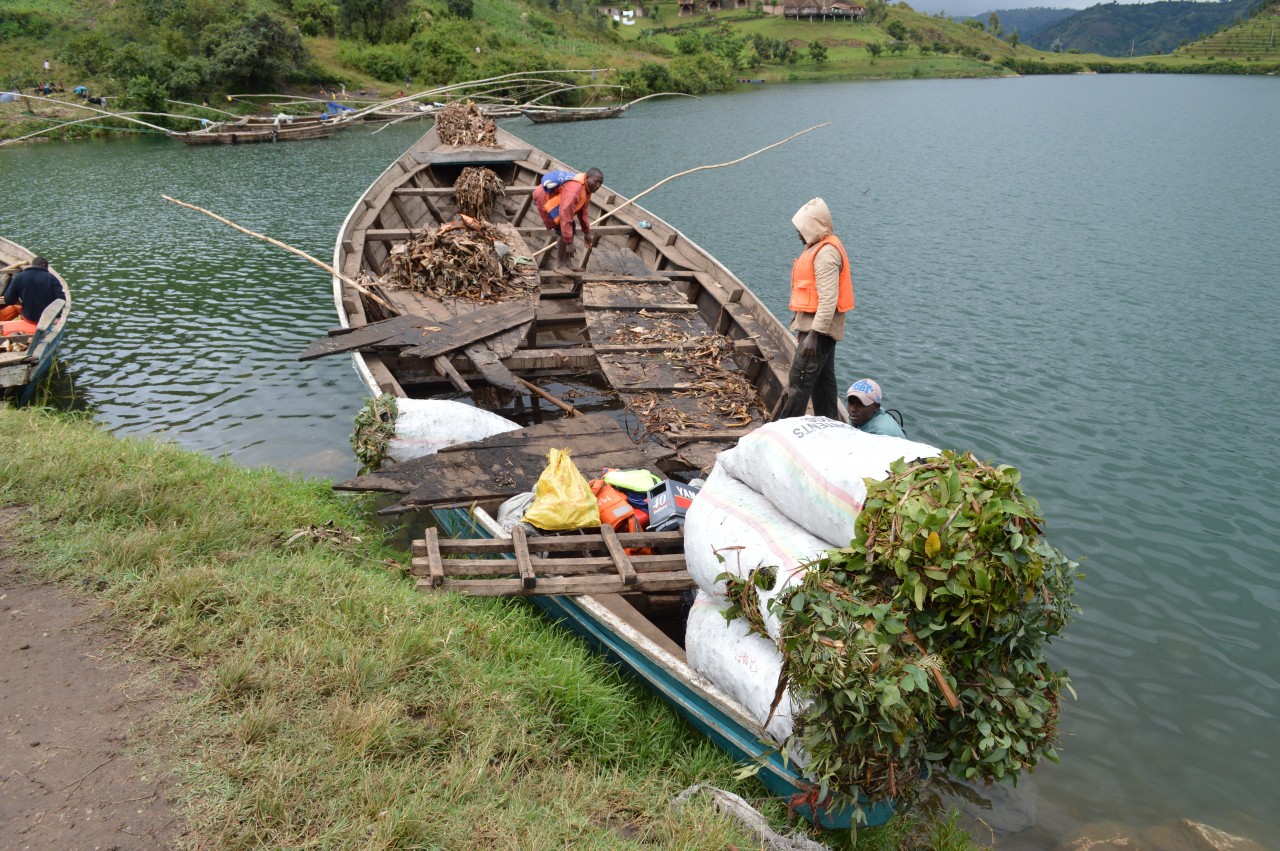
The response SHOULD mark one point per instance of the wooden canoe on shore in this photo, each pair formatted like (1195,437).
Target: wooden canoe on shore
(633,342)
(21,371)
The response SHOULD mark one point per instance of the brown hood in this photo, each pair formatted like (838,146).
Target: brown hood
(813,220)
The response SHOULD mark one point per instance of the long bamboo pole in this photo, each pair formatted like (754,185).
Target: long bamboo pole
(304,255)
(636,198)
(125,116)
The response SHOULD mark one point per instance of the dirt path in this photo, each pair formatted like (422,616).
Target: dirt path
(68,779)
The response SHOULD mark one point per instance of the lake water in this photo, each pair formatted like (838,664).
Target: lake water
(1072,275)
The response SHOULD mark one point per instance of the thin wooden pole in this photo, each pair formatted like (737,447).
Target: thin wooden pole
(564,406)
(304,255)
(631,201)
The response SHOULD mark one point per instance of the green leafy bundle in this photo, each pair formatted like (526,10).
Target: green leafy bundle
(375,425)
(920,647)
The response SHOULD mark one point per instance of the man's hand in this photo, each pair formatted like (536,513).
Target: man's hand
(808,345)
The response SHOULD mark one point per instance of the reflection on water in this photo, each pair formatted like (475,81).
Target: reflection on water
(1046,273)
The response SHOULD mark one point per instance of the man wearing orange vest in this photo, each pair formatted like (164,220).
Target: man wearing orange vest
(559,207)
(821,294)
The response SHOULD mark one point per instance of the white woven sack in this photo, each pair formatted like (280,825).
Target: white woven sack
(811,469)
(742,664)
(425,426)
(746,530)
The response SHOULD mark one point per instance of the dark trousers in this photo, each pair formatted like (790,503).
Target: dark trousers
(814,378)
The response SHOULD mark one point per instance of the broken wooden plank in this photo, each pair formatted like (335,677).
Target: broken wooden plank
(464,329)
(580,566)
(494,371)
(632,295)
(619,555)
(435,568)
(576,543)
(368,336)
(504,464)
(520,547)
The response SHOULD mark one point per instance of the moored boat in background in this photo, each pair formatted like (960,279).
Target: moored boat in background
(25,361)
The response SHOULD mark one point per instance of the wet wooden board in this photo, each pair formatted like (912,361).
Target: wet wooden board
(472,156)
(467,328)
(650,294)
(617,260)
(505,464)
(647,370)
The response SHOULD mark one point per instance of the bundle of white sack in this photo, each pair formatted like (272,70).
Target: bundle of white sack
(785,494)
(425,426)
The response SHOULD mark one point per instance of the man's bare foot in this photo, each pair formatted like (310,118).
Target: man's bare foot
(562,269)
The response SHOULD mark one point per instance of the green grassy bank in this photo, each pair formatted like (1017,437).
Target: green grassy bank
(332,705)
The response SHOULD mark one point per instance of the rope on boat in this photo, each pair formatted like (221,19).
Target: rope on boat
(631,201)
(749,817)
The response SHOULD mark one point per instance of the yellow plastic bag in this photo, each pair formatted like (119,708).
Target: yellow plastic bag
(562,499)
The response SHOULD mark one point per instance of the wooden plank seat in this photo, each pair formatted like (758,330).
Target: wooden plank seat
(593,562)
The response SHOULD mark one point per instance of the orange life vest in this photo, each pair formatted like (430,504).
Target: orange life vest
(552,204)
(804,281)
(618,513)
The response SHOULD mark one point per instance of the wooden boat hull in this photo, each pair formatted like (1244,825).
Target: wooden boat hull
(414,193)
(21,372)
(558,116)
(257,134)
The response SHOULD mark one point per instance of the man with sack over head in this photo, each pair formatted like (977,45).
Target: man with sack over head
(821,295)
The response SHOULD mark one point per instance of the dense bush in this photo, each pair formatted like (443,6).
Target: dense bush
(255,52)
(315,17)
(387,62)
(16,23)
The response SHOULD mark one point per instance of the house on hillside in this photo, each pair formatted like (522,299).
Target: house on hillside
(823,9)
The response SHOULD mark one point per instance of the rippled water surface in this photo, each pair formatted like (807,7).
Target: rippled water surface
(1073,275)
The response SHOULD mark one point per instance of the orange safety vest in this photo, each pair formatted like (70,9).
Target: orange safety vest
(804,281)
(617,512)
(552,205)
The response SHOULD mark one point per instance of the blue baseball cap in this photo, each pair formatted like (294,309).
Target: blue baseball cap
(867,391)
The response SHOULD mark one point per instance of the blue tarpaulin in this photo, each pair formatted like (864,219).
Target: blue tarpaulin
(333,109)
(8,97)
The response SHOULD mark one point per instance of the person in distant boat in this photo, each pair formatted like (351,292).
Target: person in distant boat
(561,205)
(821,295)
(864,398)
(28,294)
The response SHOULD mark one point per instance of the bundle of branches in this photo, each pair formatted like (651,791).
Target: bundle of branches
(375,426)
(462,123)
(476,189)
(459,260)
(920,647)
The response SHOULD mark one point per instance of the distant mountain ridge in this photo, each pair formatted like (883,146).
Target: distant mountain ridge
(1117,29)
(1027,22)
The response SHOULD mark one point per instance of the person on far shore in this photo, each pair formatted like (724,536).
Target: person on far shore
(560,206)
(28,294)
(864,398)
(821,295)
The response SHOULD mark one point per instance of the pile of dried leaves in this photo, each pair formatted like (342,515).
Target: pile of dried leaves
(476,189)
(459,261)
(14,344)
(462,123)
(725,392)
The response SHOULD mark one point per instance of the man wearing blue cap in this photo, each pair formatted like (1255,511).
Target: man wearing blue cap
(864,398)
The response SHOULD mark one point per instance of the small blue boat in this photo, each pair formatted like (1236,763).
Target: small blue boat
(21,371)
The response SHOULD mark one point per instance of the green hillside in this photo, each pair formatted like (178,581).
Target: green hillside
(155,55)
(1141,29)
(1254,40)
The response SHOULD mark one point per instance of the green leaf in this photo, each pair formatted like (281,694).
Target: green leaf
(797,601)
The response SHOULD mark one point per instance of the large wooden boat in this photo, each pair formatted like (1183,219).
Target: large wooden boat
(21,371)
(596,338)
(258,131)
